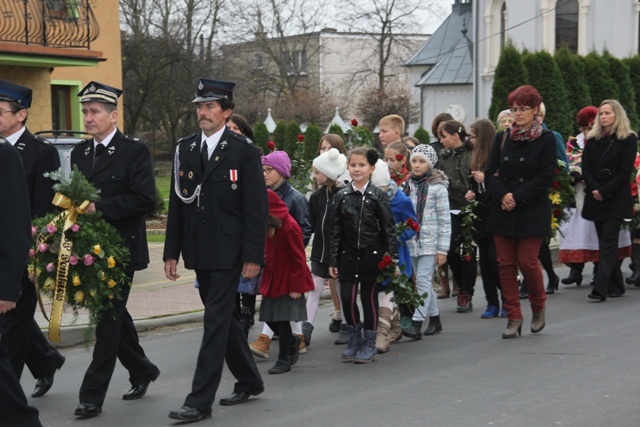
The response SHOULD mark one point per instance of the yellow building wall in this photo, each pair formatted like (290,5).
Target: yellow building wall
(108,72)
(38,79)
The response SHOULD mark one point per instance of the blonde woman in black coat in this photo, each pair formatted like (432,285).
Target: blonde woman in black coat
(607,164)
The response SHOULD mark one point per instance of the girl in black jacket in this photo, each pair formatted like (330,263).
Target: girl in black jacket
(363,231)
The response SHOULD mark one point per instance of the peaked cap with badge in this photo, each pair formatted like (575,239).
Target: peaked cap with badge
(99,92)
(12,92)
(213,90)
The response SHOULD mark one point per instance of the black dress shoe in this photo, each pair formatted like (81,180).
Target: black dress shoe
(595,295)
(137,391)
(240,396)
(280,367)
(552,286)
(189,413)
(43,384)
(88,410)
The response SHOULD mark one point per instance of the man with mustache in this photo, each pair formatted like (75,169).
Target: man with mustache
(218,221)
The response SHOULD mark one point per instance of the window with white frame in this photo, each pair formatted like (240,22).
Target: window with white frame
(567,25)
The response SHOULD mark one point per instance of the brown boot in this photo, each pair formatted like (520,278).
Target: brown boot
(538,322)
(384,325)
(395,332)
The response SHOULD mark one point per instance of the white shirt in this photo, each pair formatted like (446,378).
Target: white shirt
(212,141)
(105,141)
(16,136)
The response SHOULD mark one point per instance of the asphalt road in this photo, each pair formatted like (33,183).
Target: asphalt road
(582,370)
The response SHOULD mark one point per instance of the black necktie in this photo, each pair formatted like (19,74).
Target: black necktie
(204,155)
(99,150)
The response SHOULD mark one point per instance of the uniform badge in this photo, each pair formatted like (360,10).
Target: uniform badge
(190,175)
(233,176)
(87,151)
(181,173)
(216,159)
(184,191)
(223,145)
(192,146)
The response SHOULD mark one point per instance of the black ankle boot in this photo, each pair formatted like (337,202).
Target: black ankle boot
(634,279)
(575,275)
(434,326)
(414,331)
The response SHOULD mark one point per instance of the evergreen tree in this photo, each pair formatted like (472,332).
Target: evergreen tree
(626,95)
(337,130)
(634,75)
(278,134)
(597,74)
(572,71)
(546,77)
(291,138)
(509,74)
(261,135)
(422,135)
(312,138)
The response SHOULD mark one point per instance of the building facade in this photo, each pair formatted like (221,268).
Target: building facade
(56,50)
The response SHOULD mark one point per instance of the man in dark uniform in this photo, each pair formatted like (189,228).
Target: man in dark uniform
(22,338)
(218,221)
(15,229)
(120,167)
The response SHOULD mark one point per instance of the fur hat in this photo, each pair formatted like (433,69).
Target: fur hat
(380,176)
(331,163)
(279,160)
(426,152)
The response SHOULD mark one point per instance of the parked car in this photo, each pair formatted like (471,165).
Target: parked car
(64,141)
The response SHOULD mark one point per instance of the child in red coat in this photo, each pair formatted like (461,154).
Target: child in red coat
(286,277)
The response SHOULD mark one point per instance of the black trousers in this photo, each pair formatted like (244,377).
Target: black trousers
(609,276)
(14,410)
(223,340)
(23,340)
(116,338)
(464,272)
(489,270)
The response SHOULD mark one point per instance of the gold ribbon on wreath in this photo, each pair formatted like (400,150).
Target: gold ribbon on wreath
(69,216)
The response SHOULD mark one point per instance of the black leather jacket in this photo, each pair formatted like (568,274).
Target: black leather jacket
(362,222)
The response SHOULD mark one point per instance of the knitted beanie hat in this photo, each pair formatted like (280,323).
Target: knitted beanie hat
(380,176)
(426,152)
(331,163)
(279,160)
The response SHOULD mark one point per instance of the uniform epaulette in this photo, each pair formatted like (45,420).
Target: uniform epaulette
(240,138)
(130,138)
(41,140)
(185,138)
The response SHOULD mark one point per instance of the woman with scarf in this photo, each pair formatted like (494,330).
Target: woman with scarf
(520,171)
(607,164)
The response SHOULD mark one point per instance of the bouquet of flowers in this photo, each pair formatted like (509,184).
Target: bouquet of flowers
(468,245)
(76,259)
(394,278)
(561,195)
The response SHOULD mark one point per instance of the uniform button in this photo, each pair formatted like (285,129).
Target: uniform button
(202,221)
(506,158)
(521,180)
(522,159)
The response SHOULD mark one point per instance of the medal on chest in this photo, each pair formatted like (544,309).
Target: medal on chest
(233,176)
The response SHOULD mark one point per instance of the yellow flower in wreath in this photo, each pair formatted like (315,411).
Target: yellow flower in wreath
(78,297)
(97,249)
(110,296)
(111,262)
(92,293)
(111,283)
(102,276)
(555,198)
(49,284)
(76,280)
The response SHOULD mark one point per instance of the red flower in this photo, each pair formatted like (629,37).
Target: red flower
(271,145)
(556,184)
(300,137)
(399,157)
(385,262)
(354,122)
(557,212)
(467,257)
(412,224)
(557,171)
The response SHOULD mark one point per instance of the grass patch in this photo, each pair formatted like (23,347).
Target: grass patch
(163,183)
(155,238)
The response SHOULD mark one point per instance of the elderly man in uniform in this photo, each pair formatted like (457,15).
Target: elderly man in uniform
(218,221)
(15,229)
(120,167)
(22,338)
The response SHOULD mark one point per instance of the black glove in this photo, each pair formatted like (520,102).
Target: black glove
(576,177)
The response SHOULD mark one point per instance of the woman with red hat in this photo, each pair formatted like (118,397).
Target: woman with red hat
(579,241)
